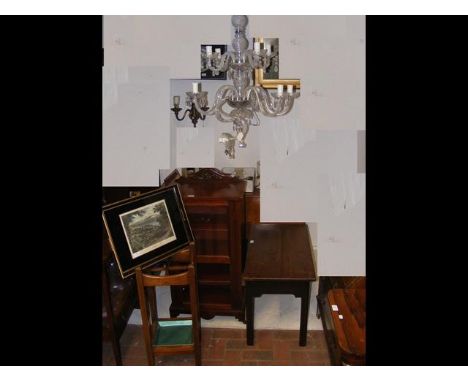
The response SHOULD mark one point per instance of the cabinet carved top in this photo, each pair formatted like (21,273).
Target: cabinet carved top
(208,174)
(211,183)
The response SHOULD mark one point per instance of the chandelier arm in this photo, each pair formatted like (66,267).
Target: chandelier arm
(221,115)
(279,105)
(289,103)
(275,107)
(220,96)
(264,101)
(257,120)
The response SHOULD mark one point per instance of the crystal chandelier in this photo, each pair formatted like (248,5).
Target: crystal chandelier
(240,102)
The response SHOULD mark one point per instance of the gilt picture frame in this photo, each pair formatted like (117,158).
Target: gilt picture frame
(268,83)
(147,228)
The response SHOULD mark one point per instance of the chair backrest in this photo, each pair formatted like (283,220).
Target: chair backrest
(158,331)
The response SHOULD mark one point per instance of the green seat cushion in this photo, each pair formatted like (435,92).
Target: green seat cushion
(175,332)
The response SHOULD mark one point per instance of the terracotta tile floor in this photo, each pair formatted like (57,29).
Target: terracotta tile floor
(228,347)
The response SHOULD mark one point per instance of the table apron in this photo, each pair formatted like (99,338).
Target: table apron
(294,287)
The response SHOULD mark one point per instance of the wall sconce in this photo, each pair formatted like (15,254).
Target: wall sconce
(193,113)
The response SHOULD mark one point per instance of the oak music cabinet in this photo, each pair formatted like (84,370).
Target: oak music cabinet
(214,202)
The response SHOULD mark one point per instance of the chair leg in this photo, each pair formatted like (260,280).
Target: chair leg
(198,357)
(116,349)
(150,358)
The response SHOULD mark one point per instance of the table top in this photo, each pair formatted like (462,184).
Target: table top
(279,251)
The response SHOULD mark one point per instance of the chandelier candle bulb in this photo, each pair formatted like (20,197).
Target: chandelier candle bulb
(290,89)
(176,101)
(194,87)
(280,90)
(257,47)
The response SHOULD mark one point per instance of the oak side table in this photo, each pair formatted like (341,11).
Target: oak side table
(279,261)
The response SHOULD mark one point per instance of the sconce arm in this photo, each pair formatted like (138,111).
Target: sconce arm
(176,111)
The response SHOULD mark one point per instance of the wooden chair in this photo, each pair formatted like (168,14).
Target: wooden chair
(169,335)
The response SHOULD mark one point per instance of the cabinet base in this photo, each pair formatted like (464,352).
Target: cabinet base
(175,311)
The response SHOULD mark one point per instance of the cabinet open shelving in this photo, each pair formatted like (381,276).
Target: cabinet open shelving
(214,202)
(213,274)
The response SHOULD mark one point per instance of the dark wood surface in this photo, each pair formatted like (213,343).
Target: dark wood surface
(252,207)
(252,216)
(351,329)
(214,202)
(338,333)
(279,251)
(279,261)
(119,299)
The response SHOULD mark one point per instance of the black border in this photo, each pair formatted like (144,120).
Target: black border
(52,112)
(416,80)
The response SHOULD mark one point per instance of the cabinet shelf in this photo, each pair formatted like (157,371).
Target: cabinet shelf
(216,259)
(213,274)
(213,299)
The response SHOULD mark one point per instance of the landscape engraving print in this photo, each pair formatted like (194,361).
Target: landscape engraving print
(147,228)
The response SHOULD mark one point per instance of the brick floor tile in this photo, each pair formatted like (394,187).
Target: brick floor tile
(206,335)
(228,333)
(232,356)
(286,335)
(282,349)
(263,339)
(300,356)
(134,361)
(175,360)
(262,355)
(133,351)
(228,347)
(235,344)
(215,349)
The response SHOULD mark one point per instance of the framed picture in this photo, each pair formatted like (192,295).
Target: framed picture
(147,228)
(272,45)
(216,52)
(270,79)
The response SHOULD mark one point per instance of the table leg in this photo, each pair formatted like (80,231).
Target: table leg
(305,302)
(249,312)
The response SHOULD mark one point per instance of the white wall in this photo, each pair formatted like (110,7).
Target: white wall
(135,133)
(309,159)
(172,41)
